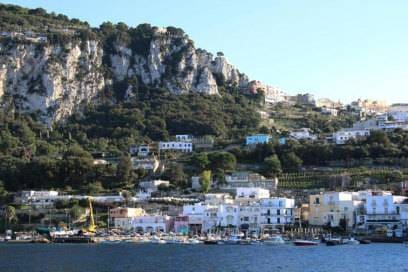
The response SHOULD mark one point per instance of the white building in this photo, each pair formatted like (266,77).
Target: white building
(254,193)
(342,136)
(30,196)
(153,185)
(218,199)
(277,211)
(381,210)
(250,217)
(302,134)
(228,215)
(196,213)
(186,147)
(146,163)
(150,223)
(139,150)
(399,112)
(330,111)
(184,137)
(248,179)
(402,211)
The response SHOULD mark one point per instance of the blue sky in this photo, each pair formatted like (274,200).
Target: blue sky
(341,49)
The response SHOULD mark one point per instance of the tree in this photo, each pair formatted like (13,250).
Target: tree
(291,162)
(222,160)
(94,188)
(175,174)
(127,195)
(76,212)
(272,166)
(10,214)
(200,160)
(2,190)
(205,179)
(124,170)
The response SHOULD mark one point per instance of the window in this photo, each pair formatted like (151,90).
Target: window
(278,212)
(317,200)
(278,220)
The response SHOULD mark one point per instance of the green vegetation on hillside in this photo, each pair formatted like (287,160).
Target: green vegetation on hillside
(16,18)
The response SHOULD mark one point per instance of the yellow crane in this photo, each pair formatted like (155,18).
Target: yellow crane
(91,226)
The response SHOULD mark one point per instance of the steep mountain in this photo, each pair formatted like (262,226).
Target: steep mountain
(50,65)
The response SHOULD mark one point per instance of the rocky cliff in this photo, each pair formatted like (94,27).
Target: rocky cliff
(51,80)
(51,76)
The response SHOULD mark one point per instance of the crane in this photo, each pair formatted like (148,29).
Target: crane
(91,226)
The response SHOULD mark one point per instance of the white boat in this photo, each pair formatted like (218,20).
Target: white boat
(352,241)
(233,239)
(157,240)
(305,243)
(193,241)
(274,240)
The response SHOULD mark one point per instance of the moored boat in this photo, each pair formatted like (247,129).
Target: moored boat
(364,241)
(274,240)
(305,243)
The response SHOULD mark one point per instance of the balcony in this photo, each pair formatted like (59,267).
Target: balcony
(382,218)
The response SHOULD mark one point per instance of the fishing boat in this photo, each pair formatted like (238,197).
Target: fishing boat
(305,243)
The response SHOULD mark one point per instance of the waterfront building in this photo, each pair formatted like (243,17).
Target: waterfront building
(277,212)
(330,208)
(228,215)
(121,216)
(250,218)
(181,224)
(195,213)
(402,211)
(150,223)
(381,209)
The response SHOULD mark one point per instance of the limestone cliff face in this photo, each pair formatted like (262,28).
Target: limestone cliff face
(173,62)
(54,79)
(51,80)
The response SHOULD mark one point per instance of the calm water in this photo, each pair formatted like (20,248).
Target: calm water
(151,257)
